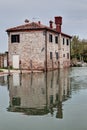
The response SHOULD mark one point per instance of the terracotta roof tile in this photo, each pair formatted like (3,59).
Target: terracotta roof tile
(27,26)
(33,26)
(66,35)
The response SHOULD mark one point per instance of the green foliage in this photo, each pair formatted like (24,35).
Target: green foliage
(78,47)
(1,70)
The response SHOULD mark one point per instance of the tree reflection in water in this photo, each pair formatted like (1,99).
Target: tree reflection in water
(39,93)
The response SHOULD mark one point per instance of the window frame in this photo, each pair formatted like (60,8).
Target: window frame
(67,42)
(63,55)
(57,55)
(50,38)
(68,55)
(56,39)
(15,38)
(63,41)
(51,56)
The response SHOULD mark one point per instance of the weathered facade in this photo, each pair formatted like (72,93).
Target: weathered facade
(3,60)
(37,47)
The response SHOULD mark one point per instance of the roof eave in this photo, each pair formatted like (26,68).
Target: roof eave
(36,29)
(66,35)
(30,29)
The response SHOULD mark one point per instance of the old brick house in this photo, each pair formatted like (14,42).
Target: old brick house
(38,47)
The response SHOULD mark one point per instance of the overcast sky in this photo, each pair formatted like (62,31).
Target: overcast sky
(14,12)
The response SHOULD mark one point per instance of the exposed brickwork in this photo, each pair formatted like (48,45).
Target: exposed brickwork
(3,60)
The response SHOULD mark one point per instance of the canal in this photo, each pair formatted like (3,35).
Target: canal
(56,100)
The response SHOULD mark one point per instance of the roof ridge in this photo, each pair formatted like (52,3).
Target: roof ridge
(31,25)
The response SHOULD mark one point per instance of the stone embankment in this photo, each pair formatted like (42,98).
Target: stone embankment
(79,64)
(7,72)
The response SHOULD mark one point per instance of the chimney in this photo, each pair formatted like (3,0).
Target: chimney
(26,21)
(58,22)
(51,24)
(39,22)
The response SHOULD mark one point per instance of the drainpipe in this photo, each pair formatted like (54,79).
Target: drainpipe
(45,50)
(46,91)
(60,52)
(20,67)
(70,52)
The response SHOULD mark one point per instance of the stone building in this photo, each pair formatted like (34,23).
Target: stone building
(35,46)
(3,60)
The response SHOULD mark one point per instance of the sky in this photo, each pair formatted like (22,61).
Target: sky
(14,13)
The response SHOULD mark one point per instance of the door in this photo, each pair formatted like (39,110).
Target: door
(5,62)
(16,61)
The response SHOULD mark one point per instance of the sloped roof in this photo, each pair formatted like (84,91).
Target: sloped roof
(27,26)
(66,35)
(33,26)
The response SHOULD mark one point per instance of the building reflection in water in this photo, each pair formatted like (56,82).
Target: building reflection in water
(3,80)
(39,93)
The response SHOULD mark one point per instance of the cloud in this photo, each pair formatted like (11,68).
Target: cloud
(14,13)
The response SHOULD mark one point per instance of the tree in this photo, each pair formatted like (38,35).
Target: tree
(76,48)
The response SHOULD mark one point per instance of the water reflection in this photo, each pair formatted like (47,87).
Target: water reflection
(3,80)
(39,93)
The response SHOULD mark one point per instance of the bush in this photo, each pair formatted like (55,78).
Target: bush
(1,70)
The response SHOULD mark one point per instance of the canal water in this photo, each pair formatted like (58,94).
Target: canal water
(56,100)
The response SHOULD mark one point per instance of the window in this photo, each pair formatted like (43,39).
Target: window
(56,39)
(63,41)
(50,38)
(15,38)
(56,96)
(50,55)
(56,55)
(67,42)
(67,55)
(51,99)
(16,101)
(63,55)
